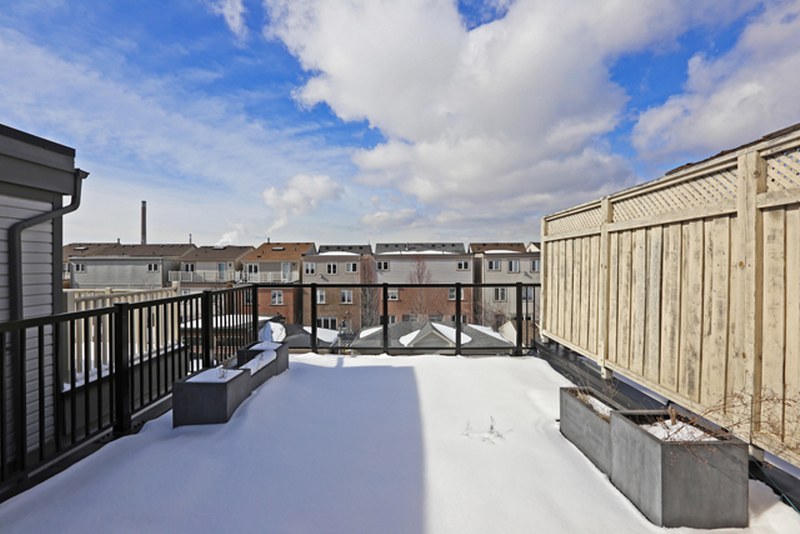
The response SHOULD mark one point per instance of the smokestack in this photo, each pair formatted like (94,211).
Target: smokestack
(144,222)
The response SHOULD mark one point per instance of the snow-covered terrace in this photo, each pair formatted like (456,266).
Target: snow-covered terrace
(348,445)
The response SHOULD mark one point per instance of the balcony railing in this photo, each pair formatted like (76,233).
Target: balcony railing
(205,277)
(272,277)
(75,377)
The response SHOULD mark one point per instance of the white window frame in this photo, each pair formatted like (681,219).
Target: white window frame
(351,267)
(310,267)
(320,296)
(513,266)
(393,293)
(252,268)
(392,319)
(527,293)
(346,296)
(463,265)
(493,265)
(536,266)
(276,297)
(332,268)
(451,293)
(326,322)
(382,265)
(80,267)
(152,267)
(500,294)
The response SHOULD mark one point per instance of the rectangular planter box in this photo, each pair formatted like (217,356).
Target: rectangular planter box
(699,484)
(198,402)
(584,427)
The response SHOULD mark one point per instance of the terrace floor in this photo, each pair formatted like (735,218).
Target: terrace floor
(359,444)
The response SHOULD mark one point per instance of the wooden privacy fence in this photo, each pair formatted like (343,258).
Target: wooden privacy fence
(690,286)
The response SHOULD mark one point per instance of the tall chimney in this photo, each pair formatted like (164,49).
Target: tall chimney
(144,222)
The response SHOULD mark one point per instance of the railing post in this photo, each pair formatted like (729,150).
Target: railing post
(207,322)
(518,349)
(254,306)
(122,384)
(313,298)
(458,319)
(385,316)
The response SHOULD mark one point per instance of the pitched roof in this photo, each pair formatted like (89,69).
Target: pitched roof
(73,250)
(443,248)
(281,252)
(226,253)
(365,250)
(170,250)
(477,248)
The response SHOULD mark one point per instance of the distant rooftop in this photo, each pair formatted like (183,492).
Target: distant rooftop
(365,250)
(477,248)
(442,248)
(86,250)
(281,252)
(226,253)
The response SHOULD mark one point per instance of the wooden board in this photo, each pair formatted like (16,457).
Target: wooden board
(691,310)
(638,301)
(670,307)
(652,356)
(773,340)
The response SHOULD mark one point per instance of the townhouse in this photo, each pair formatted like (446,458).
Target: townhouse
(408,264)
(278,263)
(342,308)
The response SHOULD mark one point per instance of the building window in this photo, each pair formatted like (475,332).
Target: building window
(392,319)
(527,293)
(332,268)
(494,265)
(152,267)
(435,317)
(394,293)
(311,267)
(451,294)
(326,322)
(347,296)
(80,267)
(351,267)
(535,266)
(513,266)
(463,265)
(188,267)
(410,317)
(382,265)
(499,294)
(463,318)
(277,297)
(320,296)
(252,268)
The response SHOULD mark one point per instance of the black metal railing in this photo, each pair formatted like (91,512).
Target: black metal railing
(379,318)
(72,378)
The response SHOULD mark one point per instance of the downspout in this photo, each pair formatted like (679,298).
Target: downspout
(15,245)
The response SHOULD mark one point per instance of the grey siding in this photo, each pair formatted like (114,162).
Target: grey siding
(37,290)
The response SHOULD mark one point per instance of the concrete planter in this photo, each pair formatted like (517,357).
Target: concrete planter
(699,484)
(585,427)
(204,399)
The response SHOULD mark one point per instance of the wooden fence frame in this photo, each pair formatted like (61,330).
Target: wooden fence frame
(690,286)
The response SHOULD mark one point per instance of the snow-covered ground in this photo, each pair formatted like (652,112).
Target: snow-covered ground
(372,444)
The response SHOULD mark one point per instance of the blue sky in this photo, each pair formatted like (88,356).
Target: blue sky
(374,120)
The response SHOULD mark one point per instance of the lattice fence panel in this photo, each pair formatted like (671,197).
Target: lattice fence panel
(710,189)
(783,170)
(582,220)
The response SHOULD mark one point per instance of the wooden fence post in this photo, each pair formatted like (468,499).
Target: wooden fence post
(606,217)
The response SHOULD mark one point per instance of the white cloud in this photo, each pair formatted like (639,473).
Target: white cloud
(233,11)
(147,138)
(301,194)
(750,91)
(390,218)
(506,118)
